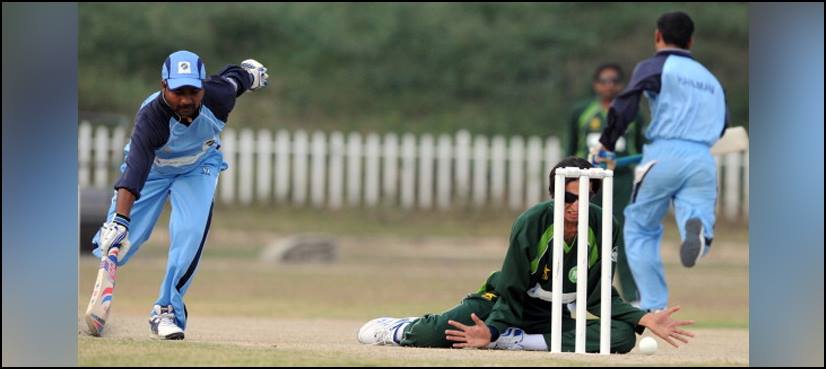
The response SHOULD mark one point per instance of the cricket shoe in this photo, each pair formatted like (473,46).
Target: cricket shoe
(382,331)
(695,245)
(162,323)
(510,339)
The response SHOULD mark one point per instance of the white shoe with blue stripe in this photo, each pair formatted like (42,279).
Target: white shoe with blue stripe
(162,323)
(510,339)
(695,245)
(382,331)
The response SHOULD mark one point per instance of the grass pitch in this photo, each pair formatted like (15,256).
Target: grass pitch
(247,312)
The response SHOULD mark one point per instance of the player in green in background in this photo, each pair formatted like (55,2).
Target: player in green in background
(585,127)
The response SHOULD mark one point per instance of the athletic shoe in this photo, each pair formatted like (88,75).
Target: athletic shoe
(382,331)
(694,245)
(162,323)
(509,339)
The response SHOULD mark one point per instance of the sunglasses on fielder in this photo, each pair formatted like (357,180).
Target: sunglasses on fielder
(570,197)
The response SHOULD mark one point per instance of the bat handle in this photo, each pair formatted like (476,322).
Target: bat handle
(112,253)
(629,160)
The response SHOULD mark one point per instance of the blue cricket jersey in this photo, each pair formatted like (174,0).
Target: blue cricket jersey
(687,102)
(164,144)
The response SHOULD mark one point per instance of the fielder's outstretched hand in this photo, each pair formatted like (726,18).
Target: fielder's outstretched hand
(661,324)
(477,335)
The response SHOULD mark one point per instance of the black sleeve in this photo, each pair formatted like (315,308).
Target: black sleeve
(151,133)
(727,119)
(223,88)
(639,140)
(624,108)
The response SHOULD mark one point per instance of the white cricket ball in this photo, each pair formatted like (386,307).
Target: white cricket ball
(648,346)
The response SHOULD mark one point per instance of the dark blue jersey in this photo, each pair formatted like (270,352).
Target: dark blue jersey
(687,102)
(163,143)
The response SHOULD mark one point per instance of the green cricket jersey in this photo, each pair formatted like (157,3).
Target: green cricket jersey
(528,264)
(586,125)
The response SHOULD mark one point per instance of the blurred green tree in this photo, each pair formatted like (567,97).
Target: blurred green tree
(489,68)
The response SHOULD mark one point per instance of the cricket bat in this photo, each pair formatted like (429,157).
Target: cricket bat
(735,139)
(101,302)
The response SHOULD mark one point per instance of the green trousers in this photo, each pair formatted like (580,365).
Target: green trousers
(429,330)
(623,187)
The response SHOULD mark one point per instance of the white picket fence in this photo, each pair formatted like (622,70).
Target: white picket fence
(334,171)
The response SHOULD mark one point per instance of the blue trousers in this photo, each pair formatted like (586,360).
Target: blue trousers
(684,172)
(191,195)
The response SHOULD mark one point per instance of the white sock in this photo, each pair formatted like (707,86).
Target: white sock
(534,342)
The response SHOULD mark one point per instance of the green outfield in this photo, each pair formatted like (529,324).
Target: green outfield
(244,311)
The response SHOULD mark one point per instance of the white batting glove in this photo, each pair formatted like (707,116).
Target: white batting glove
(113,234)
(257,71)
(599,157)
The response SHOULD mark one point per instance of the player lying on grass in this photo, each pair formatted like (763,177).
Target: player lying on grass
(512,310)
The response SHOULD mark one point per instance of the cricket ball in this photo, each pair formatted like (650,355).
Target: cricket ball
(648,345)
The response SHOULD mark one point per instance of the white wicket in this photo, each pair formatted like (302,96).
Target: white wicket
(582,257)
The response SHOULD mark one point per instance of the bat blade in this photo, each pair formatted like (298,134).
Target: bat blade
(98,310)
(734,139)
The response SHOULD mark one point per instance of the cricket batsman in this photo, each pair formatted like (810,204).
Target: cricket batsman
(688,115)
(174,154)
(512,310)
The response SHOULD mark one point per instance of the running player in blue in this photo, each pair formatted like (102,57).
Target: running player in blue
(688,115)
(174,153)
